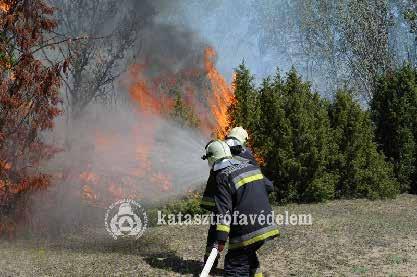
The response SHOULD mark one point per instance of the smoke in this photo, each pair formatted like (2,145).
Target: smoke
(110,155)
(233,28)
(141,153)
(126,150)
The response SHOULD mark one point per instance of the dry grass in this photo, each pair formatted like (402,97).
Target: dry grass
(347,238)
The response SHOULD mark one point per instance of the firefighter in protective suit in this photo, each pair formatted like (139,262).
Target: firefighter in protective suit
(236,140)
(242,190)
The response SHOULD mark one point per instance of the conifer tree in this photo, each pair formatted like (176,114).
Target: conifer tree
(312,149)
(272,138)
(244,110)
(309,160)
(394,112)
(293,138)
(363,171)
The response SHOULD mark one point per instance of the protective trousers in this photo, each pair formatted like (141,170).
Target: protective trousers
(243,262)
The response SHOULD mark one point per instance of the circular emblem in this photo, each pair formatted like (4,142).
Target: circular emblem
(126,218)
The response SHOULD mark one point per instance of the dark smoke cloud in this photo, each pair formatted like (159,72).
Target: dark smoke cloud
(169,49)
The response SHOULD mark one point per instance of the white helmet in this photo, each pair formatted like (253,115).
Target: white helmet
(215,151)
(238,133)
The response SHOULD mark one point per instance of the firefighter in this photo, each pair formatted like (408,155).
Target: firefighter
(236,139)
(242,190)
(207,201)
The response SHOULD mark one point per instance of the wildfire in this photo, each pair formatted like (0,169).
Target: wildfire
(222,93)
(153,94)
(141,93)
(205,90)
(4,7)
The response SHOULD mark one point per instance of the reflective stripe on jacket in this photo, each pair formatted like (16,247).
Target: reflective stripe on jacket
(242,190)
(207,201)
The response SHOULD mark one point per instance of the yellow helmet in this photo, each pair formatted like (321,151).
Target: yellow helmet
(238,133)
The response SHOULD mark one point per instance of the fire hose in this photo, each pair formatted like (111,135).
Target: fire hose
(209,262)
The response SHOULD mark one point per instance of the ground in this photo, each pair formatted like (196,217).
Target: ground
(347,238)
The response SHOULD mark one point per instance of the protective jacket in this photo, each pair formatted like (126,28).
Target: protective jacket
(244,153)
(242,209)
(207,202)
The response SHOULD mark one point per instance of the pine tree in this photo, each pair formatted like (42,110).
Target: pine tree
(363,171)
(294,140)
(394,110)
(244,110)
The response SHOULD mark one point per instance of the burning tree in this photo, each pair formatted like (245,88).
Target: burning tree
(29,102)
(183,114)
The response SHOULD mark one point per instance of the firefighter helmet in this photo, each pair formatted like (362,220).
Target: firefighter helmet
(238,133)
(216,150)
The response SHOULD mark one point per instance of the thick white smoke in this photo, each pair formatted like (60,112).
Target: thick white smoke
(108,155)
(156,153)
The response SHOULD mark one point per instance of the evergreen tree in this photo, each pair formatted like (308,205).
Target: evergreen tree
(312,149)
(394,110)
(244,110)
(183,114)
(308,166)
(272,139)
(293,137)
(363,171)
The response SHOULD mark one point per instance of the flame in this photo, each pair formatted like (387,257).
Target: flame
(141,93)
(116,190)
(204,90)
(89,177)
(222,93)
(212,114)
(5,165)
(88,193)
(4,7)
(162,179)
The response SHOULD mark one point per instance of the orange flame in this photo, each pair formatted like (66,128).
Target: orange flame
(141,93)
(222,93)
(154,96)
(4,7)
(88,193)
(219,95)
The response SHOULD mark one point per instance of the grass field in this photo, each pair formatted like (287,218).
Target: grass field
(347,238)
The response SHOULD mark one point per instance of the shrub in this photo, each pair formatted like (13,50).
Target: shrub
(313,149)
(362,169)
(394,110)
